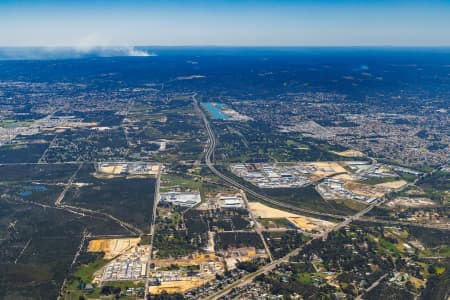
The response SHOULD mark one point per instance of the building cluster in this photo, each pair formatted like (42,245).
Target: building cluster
(128,168)
(332,188)
(48,123)
(378,171)
(233,256)
(411,136)
(7,135)
(212,286)
(130,266)
(266,175)
(205,270)
(405,170)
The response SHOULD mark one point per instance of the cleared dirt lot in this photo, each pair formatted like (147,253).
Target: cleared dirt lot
(112,247)
(174,280)
(310,224)
(393,184)
(324,168)
(186,261)
(411,202)
(349,153)
(179,286)
(364,189)
(260,210)
(113,169)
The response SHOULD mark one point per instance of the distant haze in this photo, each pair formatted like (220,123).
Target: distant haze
(101,24)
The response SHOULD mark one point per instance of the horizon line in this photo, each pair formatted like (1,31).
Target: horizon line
(225,46)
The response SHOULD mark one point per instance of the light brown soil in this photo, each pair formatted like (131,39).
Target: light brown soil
(112,247)
(350,153)
(260,210)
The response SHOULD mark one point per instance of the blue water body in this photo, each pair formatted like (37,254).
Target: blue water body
(29,189)
(38,188)
(215,110)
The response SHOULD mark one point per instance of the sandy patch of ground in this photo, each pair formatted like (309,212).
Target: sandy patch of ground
(414,190)
(344,177)
(326,169)
(364,189)
(349,153)
(178,280)
(393,184)
(186,261)
(129,168)
(235,255)
(411,202)
(103,176)
(111,169)
(418,283)
(155,169)
(162,146)
(211,244)
(310,224)
(260,210)
(112,247)
(179,286)
(81,124)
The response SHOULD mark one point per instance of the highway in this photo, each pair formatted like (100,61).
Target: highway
(152,230)
(212,143)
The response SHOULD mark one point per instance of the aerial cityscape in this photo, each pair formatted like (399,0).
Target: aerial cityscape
(222,171)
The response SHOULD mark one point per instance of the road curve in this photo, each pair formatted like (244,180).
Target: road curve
(212,143)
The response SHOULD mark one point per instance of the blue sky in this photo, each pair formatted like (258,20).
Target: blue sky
(224,23)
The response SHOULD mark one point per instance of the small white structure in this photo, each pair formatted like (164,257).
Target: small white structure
(187,199)
(231,202)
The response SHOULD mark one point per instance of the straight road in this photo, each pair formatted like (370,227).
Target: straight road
(374,285)
(152,230)
(256,226)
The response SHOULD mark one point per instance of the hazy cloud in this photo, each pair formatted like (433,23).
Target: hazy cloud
(43,53)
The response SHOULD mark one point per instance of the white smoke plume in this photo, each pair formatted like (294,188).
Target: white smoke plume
(50,53)
(90,46)
(112,51)
(97,45)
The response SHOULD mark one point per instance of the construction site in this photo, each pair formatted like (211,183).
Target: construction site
(302,223)
(182,274)
(127,168)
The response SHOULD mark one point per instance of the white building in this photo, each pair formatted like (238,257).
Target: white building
(187,199)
